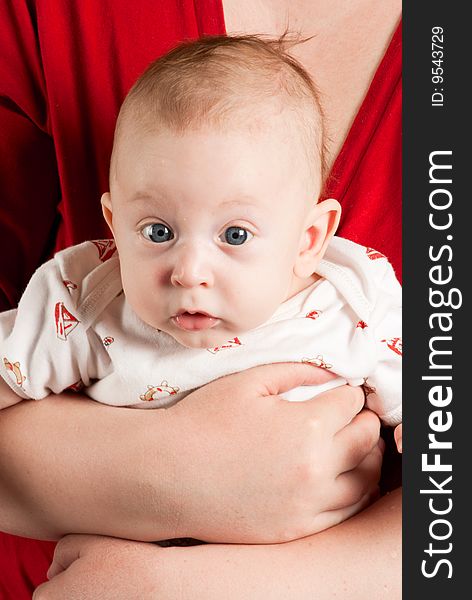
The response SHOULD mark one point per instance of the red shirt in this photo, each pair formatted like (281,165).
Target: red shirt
(366,176)
(65,68)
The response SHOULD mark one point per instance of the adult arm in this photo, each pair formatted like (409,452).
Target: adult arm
(358,559)
(221,465)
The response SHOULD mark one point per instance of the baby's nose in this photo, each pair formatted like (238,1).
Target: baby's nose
(191,270)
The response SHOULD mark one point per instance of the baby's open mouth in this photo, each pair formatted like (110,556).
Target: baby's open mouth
(194,321)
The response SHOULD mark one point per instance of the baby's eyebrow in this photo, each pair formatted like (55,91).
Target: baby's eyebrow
(248,204)
(149,199)
(248,201)
(142,196)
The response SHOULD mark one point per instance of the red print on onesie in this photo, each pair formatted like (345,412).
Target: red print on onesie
(317,362)
(76,387)
(106,249)
(70,284)
(314,314)
(15,369)
(229,344)
(157,392)
(65,321)
(361,325)
(374,254)
(395,344)
(107,341)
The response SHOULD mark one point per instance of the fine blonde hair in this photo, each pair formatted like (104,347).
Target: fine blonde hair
(222,81)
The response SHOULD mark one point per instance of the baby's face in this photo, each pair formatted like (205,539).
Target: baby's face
(208,227)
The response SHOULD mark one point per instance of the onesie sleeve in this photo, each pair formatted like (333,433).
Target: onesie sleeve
(46,347)
(383,386)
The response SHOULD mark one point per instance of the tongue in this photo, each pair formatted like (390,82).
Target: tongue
(195,322)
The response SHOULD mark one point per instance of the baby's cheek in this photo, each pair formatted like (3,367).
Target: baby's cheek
(258,306)
(145,304)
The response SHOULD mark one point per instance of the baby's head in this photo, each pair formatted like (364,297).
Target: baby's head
(216,172)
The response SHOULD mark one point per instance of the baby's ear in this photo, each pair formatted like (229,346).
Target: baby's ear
(321,225)
(107,209)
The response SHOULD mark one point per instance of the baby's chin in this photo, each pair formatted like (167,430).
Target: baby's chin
(207,340)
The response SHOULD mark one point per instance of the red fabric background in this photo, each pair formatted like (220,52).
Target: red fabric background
(65,68)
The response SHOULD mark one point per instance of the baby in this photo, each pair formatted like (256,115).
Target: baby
(223,258)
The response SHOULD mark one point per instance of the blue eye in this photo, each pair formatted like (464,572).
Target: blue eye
(236,236)
(158,233)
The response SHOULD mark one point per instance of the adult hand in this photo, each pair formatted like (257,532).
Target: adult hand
(89,566)
(254,468)
(232,462)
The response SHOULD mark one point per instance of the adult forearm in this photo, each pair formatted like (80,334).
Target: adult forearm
(230,463)
(358,559)
(361,558)
(68,464)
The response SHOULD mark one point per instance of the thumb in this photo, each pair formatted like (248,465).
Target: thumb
(281,377)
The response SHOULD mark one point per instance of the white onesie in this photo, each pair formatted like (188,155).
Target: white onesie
(73,329)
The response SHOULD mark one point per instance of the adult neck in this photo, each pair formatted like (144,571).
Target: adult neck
(349,40)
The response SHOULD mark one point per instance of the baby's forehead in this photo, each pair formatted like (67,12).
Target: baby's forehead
(271,121)
(236,170)
(242,163)
(274,131)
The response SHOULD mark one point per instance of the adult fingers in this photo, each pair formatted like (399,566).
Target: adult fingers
(356,440)
(277,378)
(353,485)
(51,590)
(335,408)
(67,551)
(398,435)
(330,518)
